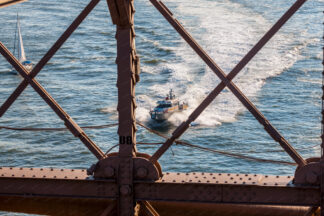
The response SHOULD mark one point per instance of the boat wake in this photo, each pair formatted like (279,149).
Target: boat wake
(227,34)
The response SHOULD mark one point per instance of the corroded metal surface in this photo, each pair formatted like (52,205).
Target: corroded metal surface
(193,187)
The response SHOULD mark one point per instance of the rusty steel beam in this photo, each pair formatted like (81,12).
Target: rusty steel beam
(322,139)
(51,52)
(221,188)
(226,81)
(122,14)
(94,207)
(5,3)
(68,121)
(55,206)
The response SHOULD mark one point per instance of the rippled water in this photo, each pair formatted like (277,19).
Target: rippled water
(283,81)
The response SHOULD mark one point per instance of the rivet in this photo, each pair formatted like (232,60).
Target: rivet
(41,169)
(214,177)
(288,176)
(76,177)
(253,182)
(219,174)
(250,179)
(255,175)
(51,169)
(82,170)
(72,170)
(141,172)
(31,168)
(23,175)
(174,181)
(277,176)
(62,170)
(12,175)
(235,182)
(34,176)
(228,174)
(2,174)
(237,174)
(65,176)
(207,181)
(21,168)
(266,176)
(11,168)
(311,177)
(125,190)
(54,176)
(178,173)
(232,178)
(225,181)
(44,176)
(109,172)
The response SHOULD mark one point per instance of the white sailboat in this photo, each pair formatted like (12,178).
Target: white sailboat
(20,48)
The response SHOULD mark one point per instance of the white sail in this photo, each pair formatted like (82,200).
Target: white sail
(21,50)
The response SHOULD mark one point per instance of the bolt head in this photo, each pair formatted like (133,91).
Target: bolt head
(109,172)
(141,172)
(125,190)
(311,177)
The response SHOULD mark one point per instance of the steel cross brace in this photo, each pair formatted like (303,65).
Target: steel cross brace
(226,81)
(29,79)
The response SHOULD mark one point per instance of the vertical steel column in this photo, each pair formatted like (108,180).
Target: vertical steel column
(322,137)
(126,57)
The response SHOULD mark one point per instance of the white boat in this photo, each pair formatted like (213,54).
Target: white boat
(19,46)
(167,107)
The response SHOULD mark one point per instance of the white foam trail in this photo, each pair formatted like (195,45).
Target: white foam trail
(227,31)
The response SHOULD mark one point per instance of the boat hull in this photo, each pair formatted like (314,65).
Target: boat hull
(160,117)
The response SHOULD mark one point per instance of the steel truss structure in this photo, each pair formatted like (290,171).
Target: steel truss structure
(128,182)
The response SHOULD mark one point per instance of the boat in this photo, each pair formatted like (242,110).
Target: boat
(165,108)
(21,56)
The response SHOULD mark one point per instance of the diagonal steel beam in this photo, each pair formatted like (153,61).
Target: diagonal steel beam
(68,121)
(226,81)
(5,3)
(51,52)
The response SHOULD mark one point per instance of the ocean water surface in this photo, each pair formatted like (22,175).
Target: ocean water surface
(283,81)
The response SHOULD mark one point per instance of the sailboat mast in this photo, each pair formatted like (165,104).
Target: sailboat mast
(21,50)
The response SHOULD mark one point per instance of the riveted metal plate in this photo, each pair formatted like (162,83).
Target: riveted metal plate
(227,188)
(226,178)
(43,173)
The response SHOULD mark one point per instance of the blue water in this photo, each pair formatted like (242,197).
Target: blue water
(283,81)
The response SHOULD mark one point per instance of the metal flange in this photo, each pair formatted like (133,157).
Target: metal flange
(308,174)
(144,170)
